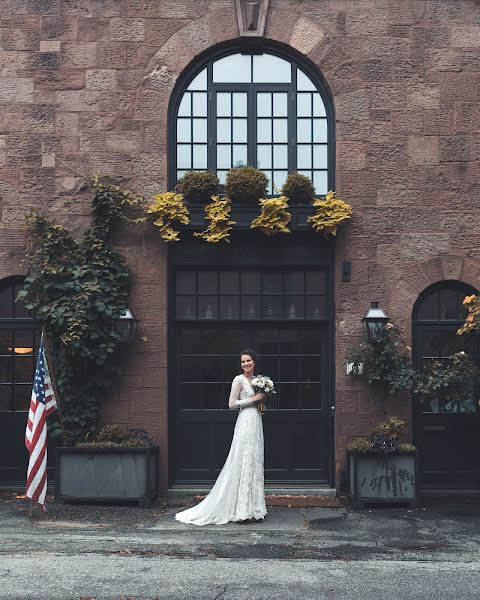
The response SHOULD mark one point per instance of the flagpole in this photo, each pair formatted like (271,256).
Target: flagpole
(48,354)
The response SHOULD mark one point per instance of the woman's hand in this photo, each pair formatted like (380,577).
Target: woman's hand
(260,397)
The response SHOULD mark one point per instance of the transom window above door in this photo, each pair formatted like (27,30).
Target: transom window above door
(256,109)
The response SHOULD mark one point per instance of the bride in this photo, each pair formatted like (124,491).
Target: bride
(238,493)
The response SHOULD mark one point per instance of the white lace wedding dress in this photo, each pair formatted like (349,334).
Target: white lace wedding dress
(238,493)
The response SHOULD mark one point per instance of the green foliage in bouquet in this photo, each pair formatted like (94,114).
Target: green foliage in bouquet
(246,185)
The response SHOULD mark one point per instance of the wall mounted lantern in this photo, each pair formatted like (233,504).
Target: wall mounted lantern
(374,323)
(126,327)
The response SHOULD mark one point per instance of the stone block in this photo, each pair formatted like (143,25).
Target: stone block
(59,80)
(430,37)
(138,55)
(452,267)
(130,79)
(381,47)
(327,55)
(406,12)
(305,35)
(79,55)
(375,70)
(409,69)
(59,28)
(352,106)
(36,7)
(111,163)
(150,104)
(92,141)
(101,79)
(91,29)
(421,95)
(465,36)
(418,246)
(16,90)
(422,150)
(21,39)
(142,8)
(81,8)
(97,122)
(458,87)
(351,156)
(111,55)
(454,148)
(37,118)
(8,64)
(105,8)
(388,96)
(439,122)
(8,121)
(367,21)
(120,104)
(123,141)
(127,30)
(397,197)
(447,12)
(37,183)
(38,60)
(443,60)
(467,118)
(24,150)
(158,31)
(77,101)
(407,121)
(386,155)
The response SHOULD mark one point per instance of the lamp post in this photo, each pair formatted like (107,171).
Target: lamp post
(126,326)
(374,323)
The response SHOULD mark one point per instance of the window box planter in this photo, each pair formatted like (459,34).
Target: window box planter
(108,475)
(375,478)
(244,214)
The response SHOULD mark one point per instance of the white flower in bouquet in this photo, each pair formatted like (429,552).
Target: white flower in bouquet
(263,384)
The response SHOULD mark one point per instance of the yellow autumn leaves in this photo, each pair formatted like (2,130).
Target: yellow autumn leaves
(472,320)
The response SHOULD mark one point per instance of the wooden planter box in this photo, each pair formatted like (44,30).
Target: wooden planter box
(108,475)
(381,478)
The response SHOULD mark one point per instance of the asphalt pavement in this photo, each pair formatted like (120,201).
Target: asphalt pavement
(75,552)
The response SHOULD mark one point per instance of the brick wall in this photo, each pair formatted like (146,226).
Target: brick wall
(85,86)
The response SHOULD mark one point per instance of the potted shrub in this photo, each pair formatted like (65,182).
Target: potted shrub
(246,185)
(299,189)
(198,186)
(382,468)
(119,465)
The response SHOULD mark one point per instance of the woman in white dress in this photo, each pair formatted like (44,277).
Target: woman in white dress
(238,493)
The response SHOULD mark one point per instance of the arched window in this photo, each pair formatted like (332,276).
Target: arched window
(437,315)
(260,109)
(19,338)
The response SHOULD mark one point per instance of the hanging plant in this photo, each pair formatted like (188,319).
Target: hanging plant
(168,208)
(331,212)
(218,215)
(472,320)
(274,216)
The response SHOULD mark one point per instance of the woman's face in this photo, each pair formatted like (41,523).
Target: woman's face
(247,364)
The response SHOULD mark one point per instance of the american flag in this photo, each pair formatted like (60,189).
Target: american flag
(42,404)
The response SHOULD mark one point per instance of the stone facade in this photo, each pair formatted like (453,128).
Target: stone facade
(85,87)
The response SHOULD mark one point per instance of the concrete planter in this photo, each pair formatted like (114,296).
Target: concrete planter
(381,478)
(113,475)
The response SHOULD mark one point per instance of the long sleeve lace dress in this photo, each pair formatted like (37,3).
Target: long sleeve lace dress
(238,493)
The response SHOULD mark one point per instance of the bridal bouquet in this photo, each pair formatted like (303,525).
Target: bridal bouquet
(263,384)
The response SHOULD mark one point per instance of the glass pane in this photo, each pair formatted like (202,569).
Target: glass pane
(272,283)
(184,130)
(280,104)
(207,307)
(239,157)
(320,160)
(186,307)
(229,282)
(306,173)
(199,104)
(268,365)
(318,106)
(185,108)
(279,178)
(295,282)
(304,131)
(429,307)
(451,304)
(295,307)
(251,282)
(207,282)
(240,130)
(23,369)
(304,105)
(288,395)
(304,157)
(229,307)
(251,307)
(180,174)
(264,157)
(222,177)
(280,157)
(224,104)
(212,368)
(320,130)
(6,303)
(310,368)
(264,104)
(239,104)
(438,344)
(200,156)
(311,395)
(264,130)
(5,398)
(235,68)
(316,282)
(200,131)
(311,341)
(6,341)
(186,282)
(280,130)
(270,182)
(191,395)
(272,307)
(289,341)
(289,368)
(200,81)
(271,69)
(190,369)
(316,307)
(19,306)
(304,83)
(24,343)
(214,396)
(184,156)
(224,156)
(320,181)
(6,369)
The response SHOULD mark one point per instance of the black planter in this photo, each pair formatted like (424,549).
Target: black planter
(108,475)
(375,478)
